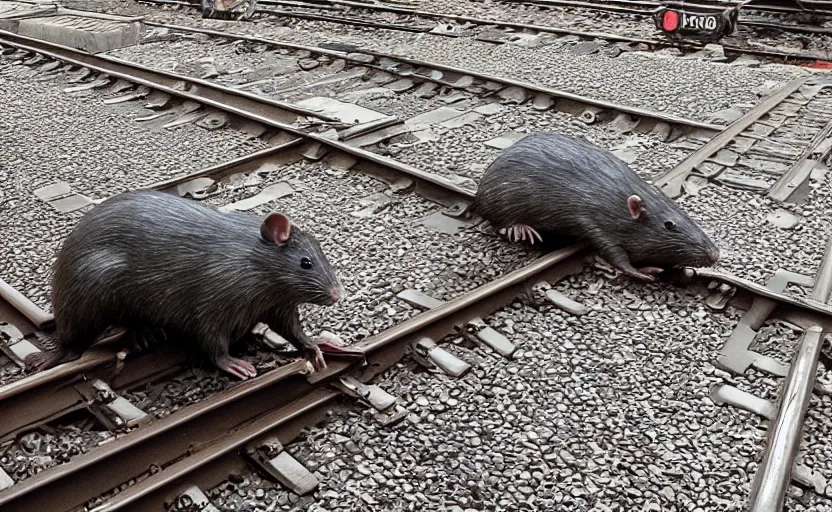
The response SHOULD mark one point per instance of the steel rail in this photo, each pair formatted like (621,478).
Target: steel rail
(207,474)
(785,27)
(687,5)
(287,152)
(771,482)
(671,182)
(590,6)
(684,44)
(477,21)
(802,312)
(224,168)
(26,307)
(163,485)
(56,396)
(690,45)
(716,5)
(793,180)
(17,311)
(163,80)
(455,17)
(214,95)
(85,477)
(438,322)
(91,359)
(823,281)
(544,28)
(187,431)
(358,22)
(33,399)
(556,93)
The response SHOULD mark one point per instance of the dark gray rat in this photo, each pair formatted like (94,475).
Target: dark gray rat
(551,183)
(151,260)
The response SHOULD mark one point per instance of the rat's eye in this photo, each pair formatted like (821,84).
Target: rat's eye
(305,263)
(669,225)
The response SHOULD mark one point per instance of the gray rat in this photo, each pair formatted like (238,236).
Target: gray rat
(551,183)
(145,260)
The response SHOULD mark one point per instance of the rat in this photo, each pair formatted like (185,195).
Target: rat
(151,260)
(555,184)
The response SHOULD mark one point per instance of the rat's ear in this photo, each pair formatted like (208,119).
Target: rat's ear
(276,228)
(636,207)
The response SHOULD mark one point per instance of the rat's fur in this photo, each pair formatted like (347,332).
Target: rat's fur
(557,184)
(153,260)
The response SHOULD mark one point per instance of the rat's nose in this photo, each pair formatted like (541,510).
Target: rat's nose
(713,255)
(336,292)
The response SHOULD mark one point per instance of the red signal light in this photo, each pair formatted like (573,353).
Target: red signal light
(670,21)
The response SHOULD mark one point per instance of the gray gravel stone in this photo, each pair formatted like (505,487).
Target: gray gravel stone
(609,411)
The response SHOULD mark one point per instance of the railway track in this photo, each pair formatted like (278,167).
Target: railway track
(749,27)
(251,410)
(632,8)
(641,7)
(435,62)
(766,150)
(405,78)
(166,461)
(249,416)
(54,393)
(497,31)
(771,136)
(459,78)
(414,71)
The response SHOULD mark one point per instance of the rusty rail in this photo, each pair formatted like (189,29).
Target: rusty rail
(45,396)
(162,486)
(87,476)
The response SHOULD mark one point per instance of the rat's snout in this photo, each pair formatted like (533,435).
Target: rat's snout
(336,292)
(713,255)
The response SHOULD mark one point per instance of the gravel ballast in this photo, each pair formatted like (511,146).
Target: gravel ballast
(607,411)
